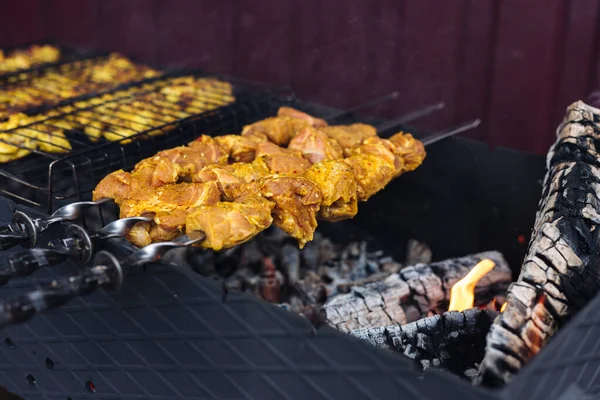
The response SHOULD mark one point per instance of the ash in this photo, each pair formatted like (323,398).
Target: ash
(273,268)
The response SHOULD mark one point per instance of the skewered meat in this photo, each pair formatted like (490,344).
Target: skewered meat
(279,130)
(280,160)
(248,172)
(225,180)
(316,146)
(227,224)
(297,201)
(292,112)
(240,148)
(410,150)
(349,136)
(166,167)
(172,197)
(298,192)
(27,58)
(371,173)
(168,206)
(338,186)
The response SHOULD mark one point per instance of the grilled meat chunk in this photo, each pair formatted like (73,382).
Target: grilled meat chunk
(278,130)
(336,181)
(371,174)
(349,136)
(409,149)
(297,201)
(240,148)
(248,172)
(116,186)
(223,178)
(283,161)
(293,113)
(172,197)
(316,146)
(227,224)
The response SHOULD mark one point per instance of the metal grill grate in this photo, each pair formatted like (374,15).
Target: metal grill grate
(52,85)
(59,156)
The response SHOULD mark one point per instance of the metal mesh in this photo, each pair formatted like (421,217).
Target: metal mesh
(50,85)
(60,155)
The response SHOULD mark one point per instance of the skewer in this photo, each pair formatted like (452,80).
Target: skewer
(77,244)
(367,104)
(436,137)
(406,118)
(107,272)
(24,230)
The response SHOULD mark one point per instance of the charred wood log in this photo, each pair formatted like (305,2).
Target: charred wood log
(413,293)
(453,340)
(560,273)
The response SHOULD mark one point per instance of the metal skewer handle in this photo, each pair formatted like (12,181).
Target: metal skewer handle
(24,230)
(107,273)
(77,244)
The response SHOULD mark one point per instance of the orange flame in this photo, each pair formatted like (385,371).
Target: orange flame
(462,295)
(503,307)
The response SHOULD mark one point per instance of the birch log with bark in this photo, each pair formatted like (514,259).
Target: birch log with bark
(413,293)
(454,340)
(560,273)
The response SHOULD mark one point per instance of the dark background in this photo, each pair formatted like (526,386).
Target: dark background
(516,64)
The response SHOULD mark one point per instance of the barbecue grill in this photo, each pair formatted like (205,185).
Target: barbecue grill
(139,341)
(169,334)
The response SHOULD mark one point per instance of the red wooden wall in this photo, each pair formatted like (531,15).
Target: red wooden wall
(516,64)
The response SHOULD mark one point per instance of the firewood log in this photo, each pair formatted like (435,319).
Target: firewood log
(560,273)
(454,340)
(413,293)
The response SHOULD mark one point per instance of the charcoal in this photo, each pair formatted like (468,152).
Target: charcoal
(560,273)
(417,253)
(413,293)
(453,340)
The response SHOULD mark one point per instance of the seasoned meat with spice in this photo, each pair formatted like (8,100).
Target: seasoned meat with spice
(116,185)
(227,224)
(297,201)
(248,172)
(139,235)
(380,148)
(168,206)
(278,130)
(409,149)
(336,181)
(349,136)
(240,148)
(196,155)
(316,146)
(292,112)
(223,178)
(283,161)
(290,187)
(172,197)
(371,173)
